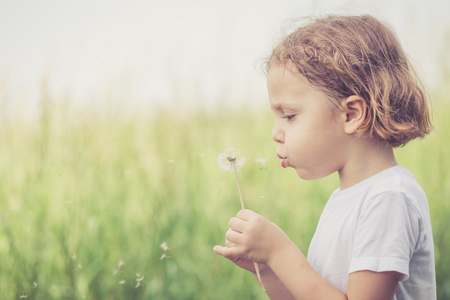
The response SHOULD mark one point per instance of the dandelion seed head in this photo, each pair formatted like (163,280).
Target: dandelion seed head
(230,159)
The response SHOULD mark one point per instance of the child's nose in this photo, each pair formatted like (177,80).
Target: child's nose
(277,134)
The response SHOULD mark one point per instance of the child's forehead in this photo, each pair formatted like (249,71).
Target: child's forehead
(284,78)
(284,83)
(281,72)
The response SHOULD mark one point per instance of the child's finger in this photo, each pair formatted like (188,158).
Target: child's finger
(237,224)
(246,214)
(235,237)
(227,252)
(229,244)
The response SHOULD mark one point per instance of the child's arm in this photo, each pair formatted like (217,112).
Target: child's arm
(252,237)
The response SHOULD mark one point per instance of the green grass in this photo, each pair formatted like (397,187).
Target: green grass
(82,191)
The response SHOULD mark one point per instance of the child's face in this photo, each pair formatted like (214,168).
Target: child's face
(307,127)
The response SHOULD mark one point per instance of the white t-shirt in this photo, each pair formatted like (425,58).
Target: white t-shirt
(380,224)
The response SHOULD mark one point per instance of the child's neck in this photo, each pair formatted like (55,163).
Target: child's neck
(364,161)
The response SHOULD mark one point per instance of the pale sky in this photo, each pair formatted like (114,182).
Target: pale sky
(157,51)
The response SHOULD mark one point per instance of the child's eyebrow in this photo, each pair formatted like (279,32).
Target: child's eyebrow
(276,106)
(283,107)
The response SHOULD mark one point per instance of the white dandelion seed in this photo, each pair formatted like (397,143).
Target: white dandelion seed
(139,279)
(164,246)
(262,161)
(73,256)
(119,265)
(35,284)
(122,281)
(23,296)
(230,160)
(171,161)
(79,267)
(201,154)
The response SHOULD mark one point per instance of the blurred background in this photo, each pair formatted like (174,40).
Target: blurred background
(112,114)
(150,51)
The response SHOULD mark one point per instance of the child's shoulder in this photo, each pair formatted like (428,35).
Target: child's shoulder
(393,183)
(397,181)
(396,178)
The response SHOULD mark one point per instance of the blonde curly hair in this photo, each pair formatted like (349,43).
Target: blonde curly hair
(358,55)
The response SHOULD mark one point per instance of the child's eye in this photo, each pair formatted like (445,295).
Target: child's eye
(288,117)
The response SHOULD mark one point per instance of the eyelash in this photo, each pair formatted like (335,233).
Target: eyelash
(288,117)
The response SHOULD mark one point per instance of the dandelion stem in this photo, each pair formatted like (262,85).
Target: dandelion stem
(239,188)
(258,274)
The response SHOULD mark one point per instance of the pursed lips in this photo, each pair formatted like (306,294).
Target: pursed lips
(284,161)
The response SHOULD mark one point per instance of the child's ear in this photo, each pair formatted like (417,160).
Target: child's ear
(355,109)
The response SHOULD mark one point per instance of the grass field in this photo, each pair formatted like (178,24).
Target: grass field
(87,198)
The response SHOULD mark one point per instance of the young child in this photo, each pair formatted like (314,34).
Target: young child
(344,95)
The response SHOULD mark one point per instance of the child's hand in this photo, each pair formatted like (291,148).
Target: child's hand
(245,263)
(253,238)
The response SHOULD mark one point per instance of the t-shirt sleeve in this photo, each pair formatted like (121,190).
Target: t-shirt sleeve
(386,234)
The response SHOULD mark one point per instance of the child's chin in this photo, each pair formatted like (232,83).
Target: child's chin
(309,175)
